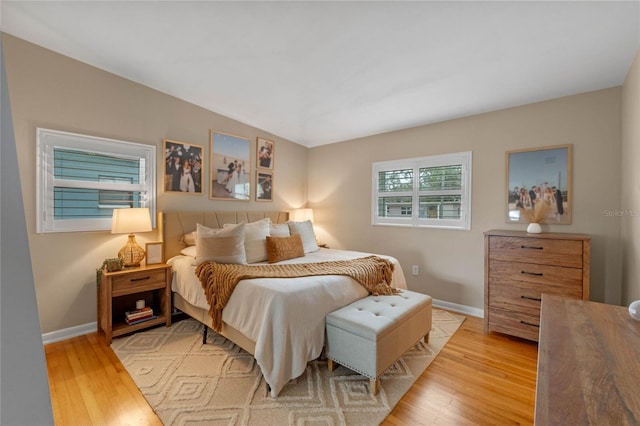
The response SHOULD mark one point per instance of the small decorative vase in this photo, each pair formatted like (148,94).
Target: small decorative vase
(634,310)
(534,228)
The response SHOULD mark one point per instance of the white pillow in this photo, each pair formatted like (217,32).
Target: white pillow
(189,251)
(255,239)
(305,229)
(279,230)
(222,246)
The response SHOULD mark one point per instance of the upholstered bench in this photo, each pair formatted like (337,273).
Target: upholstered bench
(370,334)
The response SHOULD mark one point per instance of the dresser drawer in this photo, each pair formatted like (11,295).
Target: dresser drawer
(524,296)
(133,282)
(543,251)
(514,323)
(554,279)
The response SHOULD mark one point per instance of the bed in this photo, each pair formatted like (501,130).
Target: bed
(279,321)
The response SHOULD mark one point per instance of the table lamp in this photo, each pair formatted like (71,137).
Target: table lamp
(128,221)
(301,215)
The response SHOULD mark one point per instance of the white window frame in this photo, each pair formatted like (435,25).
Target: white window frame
(463,158)
(47,140)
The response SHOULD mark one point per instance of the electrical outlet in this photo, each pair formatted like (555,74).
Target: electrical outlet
(415,270)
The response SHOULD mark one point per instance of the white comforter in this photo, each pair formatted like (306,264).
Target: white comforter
(285,317)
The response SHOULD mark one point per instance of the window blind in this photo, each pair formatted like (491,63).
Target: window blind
(81,179)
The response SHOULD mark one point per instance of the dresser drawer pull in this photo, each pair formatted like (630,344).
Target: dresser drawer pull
(537,274)
(531,298)
(528,323)
(133,280)
(532,247)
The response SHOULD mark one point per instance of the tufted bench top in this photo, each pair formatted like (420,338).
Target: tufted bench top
(376,316)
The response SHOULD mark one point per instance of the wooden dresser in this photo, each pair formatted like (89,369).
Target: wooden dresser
(519,267)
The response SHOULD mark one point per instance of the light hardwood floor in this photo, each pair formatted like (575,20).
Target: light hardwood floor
(475,380)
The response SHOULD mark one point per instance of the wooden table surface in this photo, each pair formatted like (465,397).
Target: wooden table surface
(588,364)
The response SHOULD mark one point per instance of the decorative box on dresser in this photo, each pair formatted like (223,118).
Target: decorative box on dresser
(520,267)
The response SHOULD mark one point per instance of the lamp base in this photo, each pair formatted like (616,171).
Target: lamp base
(132,254)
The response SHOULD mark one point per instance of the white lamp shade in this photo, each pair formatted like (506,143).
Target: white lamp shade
(301,215)
(128,221)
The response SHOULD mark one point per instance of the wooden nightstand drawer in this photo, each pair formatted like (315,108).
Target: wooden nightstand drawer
(134,282)
(537,250)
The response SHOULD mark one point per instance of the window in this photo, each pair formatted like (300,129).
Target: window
(430,191)
(81,179)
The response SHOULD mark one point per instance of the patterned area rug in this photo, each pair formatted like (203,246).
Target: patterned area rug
(220,384)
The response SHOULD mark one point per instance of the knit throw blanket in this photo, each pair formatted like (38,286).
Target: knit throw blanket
(219,280)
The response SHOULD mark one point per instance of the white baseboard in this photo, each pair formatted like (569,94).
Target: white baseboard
(79,330)
(463,309)
(68,333)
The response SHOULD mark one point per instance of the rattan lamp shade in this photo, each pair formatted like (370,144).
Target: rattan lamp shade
(128,221)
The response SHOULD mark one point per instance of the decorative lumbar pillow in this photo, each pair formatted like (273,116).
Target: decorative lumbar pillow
(189,251)
(255,239)
(305,230)
(279,230)
(222,246)
(283,248)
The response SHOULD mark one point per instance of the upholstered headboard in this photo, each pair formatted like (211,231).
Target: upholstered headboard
(174,224)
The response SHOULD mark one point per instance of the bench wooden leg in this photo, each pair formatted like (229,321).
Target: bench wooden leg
(426,338)
(331,364)
(374,384)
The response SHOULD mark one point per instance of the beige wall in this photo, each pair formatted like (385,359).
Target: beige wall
(53,91)
(631,184)
(451,262)
(50,90)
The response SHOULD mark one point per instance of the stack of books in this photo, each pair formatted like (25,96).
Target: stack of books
(139,315)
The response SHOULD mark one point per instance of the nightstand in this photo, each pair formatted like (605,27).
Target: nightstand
(119,290)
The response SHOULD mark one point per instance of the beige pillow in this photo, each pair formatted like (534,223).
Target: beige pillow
(189,239)
(283,248)
(222,246)
(255,239)
(305,230)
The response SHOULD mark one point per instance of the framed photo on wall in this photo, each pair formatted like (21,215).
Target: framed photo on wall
(264,186)
(539,183)
(183,167)
(265,153)
(230,167)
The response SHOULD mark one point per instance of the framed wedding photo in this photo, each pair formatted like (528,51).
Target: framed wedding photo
(265,151)
(539,180)
(154,253)
(230,167)
(183,163)
(264,186)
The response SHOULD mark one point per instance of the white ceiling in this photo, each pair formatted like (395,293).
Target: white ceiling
(324,72)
